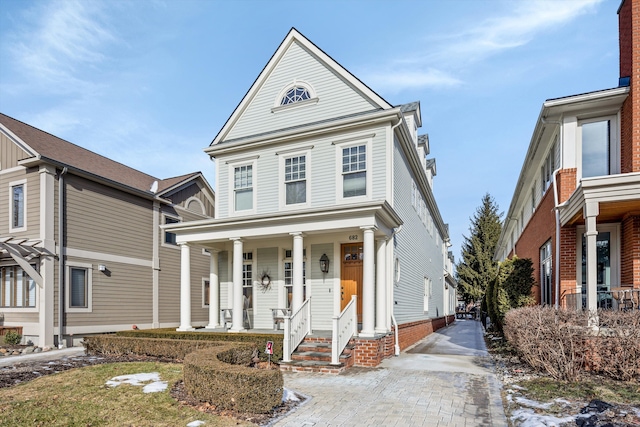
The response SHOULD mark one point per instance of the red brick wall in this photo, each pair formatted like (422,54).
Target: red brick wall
(630,246)
(629,36)
(568,253)
(540,228)
(566,183)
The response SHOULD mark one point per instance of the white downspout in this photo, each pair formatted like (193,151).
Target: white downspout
(556,208)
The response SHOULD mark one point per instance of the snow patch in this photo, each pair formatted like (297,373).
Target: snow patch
(153,378)
(289,396)
(196,423)
(532,403)
(528,418)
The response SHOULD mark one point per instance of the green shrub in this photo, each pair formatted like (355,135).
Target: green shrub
(221,376)
(510,289)
(112,345)
(12,338)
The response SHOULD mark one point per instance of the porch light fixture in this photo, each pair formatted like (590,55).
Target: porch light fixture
(102,267)
(324,263)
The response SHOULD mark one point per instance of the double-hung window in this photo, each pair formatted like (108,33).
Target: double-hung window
(243,188)
(288,276)
(295,180)
(354,171)
(247,279)
(17,214)
(170,238)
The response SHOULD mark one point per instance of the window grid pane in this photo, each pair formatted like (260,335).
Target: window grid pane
(78,288)
(18,206)
(295,94)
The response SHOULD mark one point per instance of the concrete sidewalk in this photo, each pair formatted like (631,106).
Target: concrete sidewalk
(446,379)
(53,354)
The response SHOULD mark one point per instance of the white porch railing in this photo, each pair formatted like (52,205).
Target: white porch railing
(345,326)
(296,327)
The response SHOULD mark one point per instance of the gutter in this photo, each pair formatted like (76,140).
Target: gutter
(61,254)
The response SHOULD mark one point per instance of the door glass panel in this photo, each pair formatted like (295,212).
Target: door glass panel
(603,269)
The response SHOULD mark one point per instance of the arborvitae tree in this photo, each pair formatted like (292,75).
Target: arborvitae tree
(477,267)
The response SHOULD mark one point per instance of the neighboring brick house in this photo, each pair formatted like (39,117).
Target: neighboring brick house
(324,192)
(78,224)
(576,208)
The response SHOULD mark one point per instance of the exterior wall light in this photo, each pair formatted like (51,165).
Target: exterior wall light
(102,267)
(324,263)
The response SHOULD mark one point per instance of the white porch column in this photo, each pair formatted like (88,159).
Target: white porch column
(185,288)
(381,292)
(297,286)
(238,303)
(590,212)
(214,291)
(368,283)
(47,263)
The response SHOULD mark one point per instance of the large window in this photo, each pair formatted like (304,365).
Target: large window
(545,273)
(17,289)
(243,187)
(599,150)
(354,171)
(295,180)
(17,206)
(247,279)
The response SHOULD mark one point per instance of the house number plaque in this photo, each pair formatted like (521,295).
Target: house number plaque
(353,237)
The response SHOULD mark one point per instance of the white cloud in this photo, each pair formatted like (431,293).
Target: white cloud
(447,57)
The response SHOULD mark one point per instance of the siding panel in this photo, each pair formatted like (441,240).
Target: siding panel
(320,287)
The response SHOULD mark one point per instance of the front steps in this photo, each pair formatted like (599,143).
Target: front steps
(314,355)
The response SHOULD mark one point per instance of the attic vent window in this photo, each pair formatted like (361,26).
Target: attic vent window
(295,94)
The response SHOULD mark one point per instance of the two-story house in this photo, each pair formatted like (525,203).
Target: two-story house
(576,207)
(81,248)
(324,192)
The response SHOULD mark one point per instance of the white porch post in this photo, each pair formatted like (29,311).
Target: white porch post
(214,291)
(297,286)
(381,292)
(368,284)
(47,263)
(590,212)
(238,303)
(185,288)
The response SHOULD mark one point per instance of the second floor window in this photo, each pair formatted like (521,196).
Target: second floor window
(295,174)
(170,238)
(354,171)
(596,148)
(243,187)
(17,206)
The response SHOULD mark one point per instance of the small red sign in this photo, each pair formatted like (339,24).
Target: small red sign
(269,349)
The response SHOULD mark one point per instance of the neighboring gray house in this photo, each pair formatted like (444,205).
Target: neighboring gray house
(78,224)
(324,192)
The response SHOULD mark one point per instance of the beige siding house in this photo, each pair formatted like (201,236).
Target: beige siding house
(81,245)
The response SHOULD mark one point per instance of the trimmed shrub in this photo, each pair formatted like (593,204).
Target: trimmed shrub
(617,346)
(112,345)
(221,376)
(12,338)
(258,340)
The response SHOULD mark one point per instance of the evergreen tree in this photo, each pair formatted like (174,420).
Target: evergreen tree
(477,267)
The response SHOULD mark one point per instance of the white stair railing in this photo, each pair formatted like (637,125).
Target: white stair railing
(345,326)
(296,327)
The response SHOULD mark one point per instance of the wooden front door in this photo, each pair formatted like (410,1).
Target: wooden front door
(351,276)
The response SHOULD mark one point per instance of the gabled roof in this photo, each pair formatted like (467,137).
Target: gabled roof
(295,36)
(43,145)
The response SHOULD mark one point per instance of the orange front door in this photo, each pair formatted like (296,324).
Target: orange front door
(351,276)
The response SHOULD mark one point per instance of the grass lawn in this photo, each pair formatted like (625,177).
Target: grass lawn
(547,389)
(79,397)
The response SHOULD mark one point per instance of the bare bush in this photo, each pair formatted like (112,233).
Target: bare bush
(559,342)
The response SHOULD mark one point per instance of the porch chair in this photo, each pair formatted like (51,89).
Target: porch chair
(226,318)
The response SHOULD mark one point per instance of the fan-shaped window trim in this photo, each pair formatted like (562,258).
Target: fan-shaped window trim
(191,203)
(295,94)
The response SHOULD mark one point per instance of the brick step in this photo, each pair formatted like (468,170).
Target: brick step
(312,366)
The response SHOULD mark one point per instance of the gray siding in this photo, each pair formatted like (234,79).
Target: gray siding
(419,255)
(320,287)
(193,190)
(264,301)
(224,277)
(336,97)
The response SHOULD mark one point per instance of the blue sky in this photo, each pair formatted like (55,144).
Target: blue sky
(150,83)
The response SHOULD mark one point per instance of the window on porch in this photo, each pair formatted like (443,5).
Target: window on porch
(17,289)
(288,277)
(247,279)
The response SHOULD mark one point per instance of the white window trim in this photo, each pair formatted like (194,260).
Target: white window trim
(281,182)
(204,280)
(614,149)
(253,162)
(313,97)
(12,184)
(340,145)
(67,284)
(162,237)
